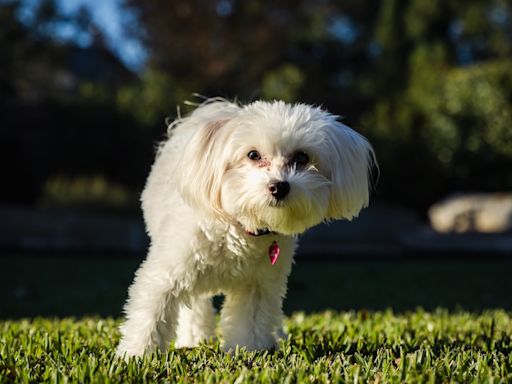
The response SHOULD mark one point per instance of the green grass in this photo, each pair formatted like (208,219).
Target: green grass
(358,340)
(330,347)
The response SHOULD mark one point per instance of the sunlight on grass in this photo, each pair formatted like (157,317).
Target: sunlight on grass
(326,347)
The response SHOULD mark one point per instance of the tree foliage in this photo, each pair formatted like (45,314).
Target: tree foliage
(428,81)
(58,111)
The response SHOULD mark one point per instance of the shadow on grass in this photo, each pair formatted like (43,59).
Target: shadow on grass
(40,285)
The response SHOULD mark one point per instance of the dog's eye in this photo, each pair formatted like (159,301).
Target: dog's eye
(300,159)
(254,155)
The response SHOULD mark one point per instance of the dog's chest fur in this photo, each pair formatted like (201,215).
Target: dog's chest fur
(225,257)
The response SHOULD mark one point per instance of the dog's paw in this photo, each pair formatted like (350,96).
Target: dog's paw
(281,335)
(126,355)
(262,344)
(130,348)
(191,342)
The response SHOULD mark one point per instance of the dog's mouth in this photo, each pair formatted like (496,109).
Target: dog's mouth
(258,231)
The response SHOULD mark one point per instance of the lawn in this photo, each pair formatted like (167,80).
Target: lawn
(355,347)
(351,321)
(80,285)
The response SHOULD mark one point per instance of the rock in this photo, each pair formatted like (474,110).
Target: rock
(477,212)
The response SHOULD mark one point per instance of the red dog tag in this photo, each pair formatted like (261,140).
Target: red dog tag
(273,252)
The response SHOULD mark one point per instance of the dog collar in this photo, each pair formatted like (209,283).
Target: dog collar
(273,249)
(259,232)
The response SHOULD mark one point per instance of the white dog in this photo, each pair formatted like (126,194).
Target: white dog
(228,194)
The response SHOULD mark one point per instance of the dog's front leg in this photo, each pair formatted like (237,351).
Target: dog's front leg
(151,312)
(196,322)
(251,316)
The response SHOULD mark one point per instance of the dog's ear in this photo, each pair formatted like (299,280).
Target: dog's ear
(201,168)
(351,159)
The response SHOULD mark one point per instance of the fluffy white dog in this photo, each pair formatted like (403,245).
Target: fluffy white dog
(228,194)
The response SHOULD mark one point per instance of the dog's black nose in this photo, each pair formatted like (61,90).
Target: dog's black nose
(279,189)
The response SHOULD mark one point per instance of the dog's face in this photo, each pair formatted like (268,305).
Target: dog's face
(275,166)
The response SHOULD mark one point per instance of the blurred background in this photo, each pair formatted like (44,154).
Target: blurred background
(86,89)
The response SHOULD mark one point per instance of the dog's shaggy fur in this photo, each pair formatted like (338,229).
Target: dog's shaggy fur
(226,174)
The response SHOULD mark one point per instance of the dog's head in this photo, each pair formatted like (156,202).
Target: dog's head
(275,166)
